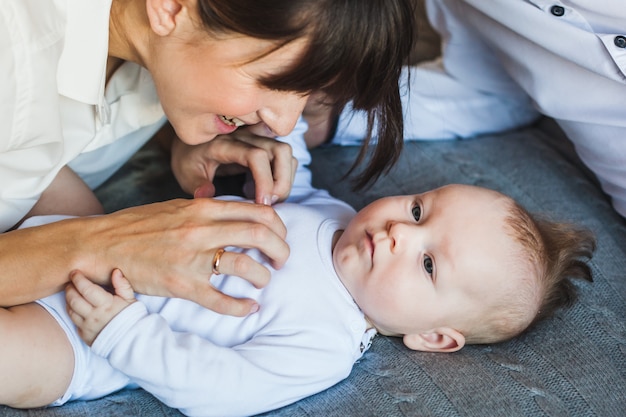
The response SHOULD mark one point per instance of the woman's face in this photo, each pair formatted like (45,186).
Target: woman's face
(209,86)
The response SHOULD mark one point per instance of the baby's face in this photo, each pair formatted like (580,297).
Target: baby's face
(416,263)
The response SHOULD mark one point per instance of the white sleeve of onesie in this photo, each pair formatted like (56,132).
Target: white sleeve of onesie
(199,378)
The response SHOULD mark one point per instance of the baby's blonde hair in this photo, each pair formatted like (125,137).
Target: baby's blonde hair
(552,254)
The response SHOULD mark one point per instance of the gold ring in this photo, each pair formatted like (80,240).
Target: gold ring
(216,260)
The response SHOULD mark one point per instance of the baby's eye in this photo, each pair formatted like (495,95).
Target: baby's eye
(428,264)
(417,212)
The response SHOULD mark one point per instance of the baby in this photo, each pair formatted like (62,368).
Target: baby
(456,265)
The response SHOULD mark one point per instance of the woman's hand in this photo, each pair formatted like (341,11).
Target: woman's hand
(91,307)
(167,249)
(270,162)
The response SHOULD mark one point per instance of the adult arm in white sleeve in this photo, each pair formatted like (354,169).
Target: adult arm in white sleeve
(603,150)
(438,106)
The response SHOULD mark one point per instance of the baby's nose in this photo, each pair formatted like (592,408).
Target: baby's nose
(399,233)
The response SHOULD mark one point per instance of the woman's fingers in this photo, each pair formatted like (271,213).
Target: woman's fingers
(249,235)
(241,265)
(241,224)
(274,187)
(273,170)
(222,303)
(270,162)
(168,248)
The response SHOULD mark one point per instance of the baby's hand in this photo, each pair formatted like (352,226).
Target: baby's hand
(91,307)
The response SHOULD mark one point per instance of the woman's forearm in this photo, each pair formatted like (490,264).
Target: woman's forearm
(36,261)
(164,249)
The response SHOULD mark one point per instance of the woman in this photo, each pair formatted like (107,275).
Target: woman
(81,76)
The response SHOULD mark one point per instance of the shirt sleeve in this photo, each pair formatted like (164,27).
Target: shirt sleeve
(199,378)
(436,105)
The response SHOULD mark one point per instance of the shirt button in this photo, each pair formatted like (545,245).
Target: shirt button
(557,10)
(620,41)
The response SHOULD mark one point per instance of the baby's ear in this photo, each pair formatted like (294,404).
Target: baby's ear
(443,339)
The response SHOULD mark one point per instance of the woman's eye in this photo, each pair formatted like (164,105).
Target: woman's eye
(417,213)
(428,264)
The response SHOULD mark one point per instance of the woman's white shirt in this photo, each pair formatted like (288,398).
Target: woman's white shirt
(53,102)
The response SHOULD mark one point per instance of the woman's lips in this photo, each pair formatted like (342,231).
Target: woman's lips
(223,127)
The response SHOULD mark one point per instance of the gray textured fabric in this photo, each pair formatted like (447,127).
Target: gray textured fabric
(571,365)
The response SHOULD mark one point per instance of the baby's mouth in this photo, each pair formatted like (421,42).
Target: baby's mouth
(232,121)
(370,244)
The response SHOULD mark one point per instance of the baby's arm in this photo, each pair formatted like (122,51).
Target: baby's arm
(199,377)
(91,307)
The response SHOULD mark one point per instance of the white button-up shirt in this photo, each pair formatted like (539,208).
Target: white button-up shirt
(53,102)
(505,62)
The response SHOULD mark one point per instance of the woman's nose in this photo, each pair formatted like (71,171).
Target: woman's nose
(282,112)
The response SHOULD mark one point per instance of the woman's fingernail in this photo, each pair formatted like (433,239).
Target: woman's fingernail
(269,200)
(255,307)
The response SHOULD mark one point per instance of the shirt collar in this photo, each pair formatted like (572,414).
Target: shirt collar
(81,74)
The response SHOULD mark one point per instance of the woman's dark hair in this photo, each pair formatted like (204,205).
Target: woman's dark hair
(356,52)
